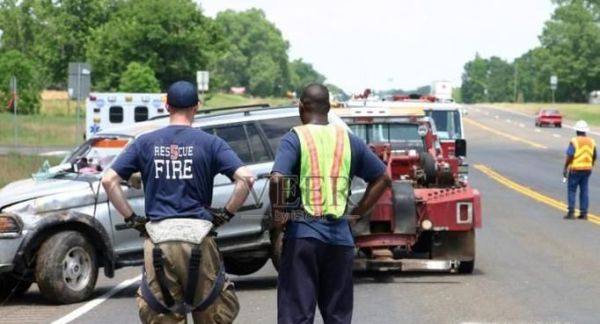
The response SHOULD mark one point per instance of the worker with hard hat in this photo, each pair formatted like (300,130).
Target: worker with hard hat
(581,156)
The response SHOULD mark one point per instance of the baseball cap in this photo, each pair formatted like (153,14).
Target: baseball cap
(182,94)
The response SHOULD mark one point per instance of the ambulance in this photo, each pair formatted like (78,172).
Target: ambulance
(114,109)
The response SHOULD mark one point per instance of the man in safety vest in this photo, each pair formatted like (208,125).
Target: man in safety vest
(581,156)
(183,270)
(310,184)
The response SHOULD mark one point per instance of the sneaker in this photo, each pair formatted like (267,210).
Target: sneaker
(582,216)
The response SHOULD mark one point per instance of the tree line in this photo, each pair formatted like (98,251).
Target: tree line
(569,48)
(142,45)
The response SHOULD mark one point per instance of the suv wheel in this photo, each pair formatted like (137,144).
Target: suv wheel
(12,287)
(276,248)
(243,266)
(66,268)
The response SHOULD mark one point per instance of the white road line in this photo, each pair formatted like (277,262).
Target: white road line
(477,109)
(537,130)
(556,135)
(508,121)
(497,117)
(95,302)
(522,125)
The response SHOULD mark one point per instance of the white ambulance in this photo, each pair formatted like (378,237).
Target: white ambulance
(112,109)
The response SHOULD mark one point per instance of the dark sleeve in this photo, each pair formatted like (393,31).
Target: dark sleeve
(128,162)
(365,163)
(288,154)
(225,160)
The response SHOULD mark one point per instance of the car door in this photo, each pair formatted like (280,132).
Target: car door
(245,140)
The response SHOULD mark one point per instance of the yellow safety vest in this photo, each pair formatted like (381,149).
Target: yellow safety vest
(584,153)
(324,169)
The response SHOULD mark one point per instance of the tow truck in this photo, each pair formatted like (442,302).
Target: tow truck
(427,219)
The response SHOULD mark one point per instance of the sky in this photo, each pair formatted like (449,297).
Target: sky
(404,44)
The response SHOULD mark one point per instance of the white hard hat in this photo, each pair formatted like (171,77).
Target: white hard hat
(582,126)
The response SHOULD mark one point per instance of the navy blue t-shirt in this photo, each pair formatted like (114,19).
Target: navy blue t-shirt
(178,166)
(364,164)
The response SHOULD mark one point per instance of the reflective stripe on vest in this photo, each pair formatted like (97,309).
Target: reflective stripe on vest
(584,153)
(324,168)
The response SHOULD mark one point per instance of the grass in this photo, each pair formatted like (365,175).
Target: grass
(56,124)
(587,112)
(15,167)
(39,130)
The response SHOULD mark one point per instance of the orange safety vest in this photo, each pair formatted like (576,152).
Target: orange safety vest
(584,153)
(324,168)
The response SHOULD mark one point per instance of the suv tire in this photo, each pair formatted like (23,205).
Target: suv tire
(243,266)
(276,248)
(12,287)
(66,268)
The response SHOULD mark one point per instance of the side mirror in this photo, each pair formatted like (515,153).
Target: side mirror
(460,147)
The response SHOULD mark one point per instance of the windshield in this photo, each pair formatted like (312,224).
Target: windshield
(447,123)
(95,155)
(399,135)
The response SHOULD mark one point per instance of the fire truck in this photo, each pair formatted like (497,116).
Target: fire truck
(427,219)
(106,110)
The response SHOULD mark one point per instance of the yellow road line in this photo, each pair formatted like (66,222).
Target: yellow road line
(503,134)
(529,192)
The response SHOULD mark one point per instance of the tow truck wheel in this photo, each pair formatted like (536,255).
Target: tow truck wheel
(428,165)
(466,267)
(66,268)
(12,287)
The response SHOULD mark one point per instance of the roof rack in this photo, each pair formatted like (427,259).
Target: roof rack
(240,108)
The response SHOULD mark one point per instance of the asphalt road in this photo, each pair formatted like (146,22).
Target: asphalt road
(532,266)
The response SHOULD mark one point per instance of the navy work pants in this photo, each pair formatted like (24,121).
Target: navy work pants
(315,273)
(579,179)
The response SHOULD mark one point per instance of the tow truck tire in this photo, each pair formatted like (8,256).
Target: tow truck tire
(466,267)
(11,287)
(428,165)
(66,268)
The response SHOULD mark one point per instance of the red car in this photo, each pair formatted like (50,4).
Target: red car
(548,117)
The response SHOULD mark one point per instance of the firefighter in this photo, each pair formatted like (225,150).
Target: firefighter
(183,271)
(310,185)
(581,156)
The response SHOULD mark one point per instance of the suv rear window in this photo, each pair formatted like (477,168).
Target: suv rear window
(245,141)
(275,129)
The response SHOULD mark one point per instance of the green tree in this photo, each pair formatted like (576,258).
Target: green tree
(52,33)
(572,39)
(263,76)
(500,81)
(252,39)
(138,78)
(474,80)
(28,89)
(303,74)
(533,71)
(173,37)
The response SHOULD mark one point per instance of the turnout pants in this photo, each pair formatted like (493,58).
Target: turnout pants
(314,273)
(176,256)
(579,179)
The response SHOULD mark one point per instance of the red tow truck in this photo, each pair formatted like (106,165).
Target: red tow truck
(427,220)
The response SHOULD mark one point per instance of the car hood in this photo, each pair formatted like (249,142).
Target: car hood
(24,190)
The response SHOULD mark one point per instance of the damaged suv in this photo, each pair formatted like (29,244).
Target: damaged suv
(58,228)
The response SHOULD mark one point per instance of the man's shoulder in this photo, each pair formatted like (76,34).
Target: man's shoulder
(357,144)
